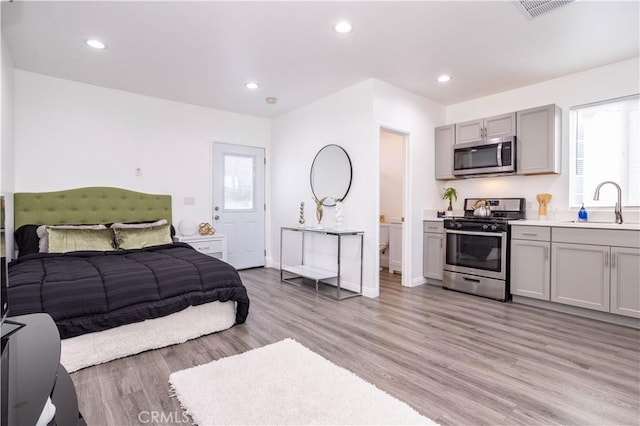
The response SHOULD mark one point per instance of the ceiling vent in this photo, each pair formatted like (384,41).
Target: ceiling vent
(536,8)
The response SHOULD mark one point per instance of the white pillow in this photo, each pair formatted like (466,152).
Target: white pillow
(139,225)
(43,235)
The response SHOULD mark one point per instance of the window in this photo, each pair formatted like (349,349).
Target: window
(604,146)
(239,182)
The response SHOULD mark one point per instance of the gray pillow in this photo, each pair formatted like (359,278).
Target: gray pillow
(43,234)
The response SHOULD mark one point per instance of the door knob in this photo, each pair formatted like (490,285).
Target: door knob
(216,208)
(216,217)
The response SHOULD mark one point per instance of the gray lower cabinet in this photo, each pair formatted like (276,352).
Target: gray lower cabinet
(596,269)
(538,140)
(444,140)
(580,275)
(531,268)
(625,281)
(433,249)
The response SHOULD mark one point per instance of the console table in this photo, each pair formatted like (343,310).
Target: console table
(32,372)
(321,275)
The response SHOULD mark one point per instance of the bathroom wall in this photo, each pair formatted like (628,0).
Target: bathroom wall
(391,171)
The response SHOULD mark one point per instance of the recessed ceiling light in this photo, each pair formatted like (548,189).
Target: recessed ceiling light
(251,85)
(96,44)
(444,78)
(343,27)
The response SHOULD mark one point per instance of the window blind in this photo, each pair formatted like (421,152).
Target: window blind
(605,146)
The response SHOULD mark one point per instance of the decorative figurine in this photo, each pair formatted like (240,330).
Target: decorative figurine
(206,229)
(301,218)
(339,215)
(319,211)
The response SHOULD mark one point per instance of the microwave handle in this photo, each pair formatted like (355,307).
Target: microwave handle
(499,155)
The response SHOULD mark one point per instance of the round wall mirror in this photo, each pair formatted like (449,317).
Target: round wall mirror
(331,174)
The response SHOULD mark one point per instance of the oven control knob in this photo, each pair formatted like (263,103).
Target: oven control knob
(485,227)
(458,225)
(494,227)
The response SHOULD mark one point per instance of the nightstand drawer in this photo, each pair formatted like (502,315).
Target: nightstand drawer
(208,247)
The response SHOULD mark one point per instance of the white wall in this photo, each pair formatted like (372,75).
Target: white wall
(611,81)
(415,116)
(391,174)
(344,118)
(353,118)
(7,145)
(71,134)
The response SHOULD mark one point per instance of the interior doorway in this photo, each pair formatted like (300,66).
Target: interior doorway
(393,147)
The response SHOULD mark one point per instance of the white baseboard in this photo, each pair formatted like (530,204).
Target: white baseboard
(371,292)
(417,281)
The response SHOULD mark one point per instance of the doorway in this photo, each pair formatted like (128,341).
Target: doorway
(392,190)
(239,202)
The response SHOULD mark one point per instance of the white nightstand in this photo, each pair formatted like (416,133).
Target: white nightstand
(211,245)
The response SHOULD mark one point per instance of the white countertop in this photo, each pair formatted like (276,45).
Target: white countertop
(572,224)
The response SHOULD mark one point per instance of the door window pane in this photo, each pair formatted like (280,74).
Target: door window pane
(239,182)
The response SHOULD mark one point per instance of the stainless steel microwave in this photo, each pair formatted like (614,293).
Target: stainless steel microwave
(490,156)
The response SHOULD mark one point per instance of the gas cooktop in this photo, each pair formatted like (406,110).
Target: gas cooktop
(501,209)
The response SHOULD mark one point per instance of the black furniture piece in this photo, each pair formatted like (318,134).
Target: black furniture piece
(32,373)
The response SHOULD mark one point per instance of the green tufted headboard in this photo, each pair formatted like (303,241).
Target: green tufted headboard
(89,205)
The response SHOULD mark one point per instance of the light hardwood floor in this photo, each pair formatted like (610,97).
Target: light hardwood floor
(457,359)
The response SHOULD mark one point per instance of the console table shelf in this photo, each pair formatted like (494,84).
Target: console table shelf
(331,280)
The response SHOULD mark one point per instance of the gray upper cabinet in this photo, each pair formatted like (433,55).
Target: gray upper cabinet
(486,128)
(444,139)
(538,140)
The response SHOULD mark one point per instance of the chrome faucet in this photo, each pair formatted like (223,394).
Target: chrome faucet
(618,210)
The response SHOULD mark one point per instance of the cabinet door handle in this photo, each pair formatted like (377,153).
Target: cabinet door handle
(546,253)
(531,234)
(613,260)
(606,260)
(440,242)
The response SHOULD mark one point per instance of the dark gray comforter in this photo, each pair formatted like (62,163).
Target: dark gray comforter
(91,291)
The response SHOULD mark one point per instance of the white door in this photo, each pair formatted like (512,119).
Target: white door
(238,202)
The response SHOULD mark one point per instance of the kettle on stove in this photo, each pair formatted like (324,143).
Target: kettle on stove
(482,208)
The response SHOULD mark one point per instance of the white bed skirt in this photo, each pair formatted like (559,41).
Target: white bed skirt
(103,346)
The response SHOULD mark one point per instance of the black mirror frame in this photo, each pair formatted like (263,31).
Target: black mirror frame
(324,203)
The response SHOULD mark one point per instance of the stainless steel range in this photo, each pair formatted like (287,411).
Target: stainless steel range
(477,247)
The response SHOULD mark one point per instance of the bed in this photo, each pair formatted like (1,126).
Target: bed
(88,291)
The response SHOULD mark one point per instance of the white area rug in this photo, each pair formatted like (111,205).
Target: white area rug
(284,383)
(103,346)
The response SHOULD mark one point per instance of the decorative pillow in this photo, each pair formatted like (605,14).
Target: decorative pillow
(43,234)
(135,238)
(26,239)
(63,240)
(139,225)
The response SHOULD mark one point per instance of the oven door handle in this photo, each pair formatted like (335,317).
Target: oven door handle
(449,231)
